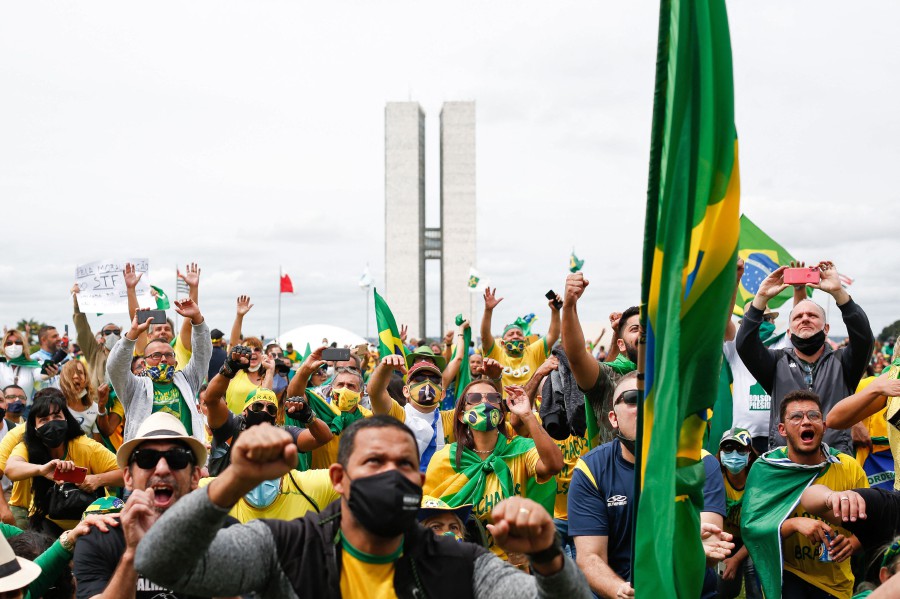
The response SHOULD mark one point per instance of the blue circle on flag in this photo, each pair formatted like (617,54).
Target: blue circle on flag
(757,267)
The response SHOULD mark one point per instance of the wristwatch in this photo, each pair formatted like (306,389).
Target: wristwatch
(65,542)
(545,556)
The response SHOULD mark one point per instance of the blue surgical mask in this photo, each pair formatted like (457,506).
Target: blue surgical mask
(264,494)
(735,461)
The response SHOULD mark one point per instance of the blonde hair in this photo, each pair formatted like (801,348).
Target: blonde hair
(66,375)
(25,353)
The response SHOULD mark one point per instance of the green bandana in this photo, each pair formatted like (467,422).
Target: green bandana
(773,491)
(622,365)
(23,362)
(472,467)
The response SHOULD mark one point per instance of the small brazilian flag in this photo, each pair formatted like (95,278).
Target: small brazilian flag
(690,250)
(761,255)
(574,263)
(162,300)
(388,333)
(474,278)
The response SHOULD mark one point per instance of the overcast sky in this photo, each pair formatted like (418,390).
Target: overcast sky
(250,135)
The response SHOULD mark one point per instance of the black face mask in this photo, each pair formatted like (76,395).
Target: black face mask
(386,504)
(809,346)
(2,413)
(628,443)
(253,418)
(53,434)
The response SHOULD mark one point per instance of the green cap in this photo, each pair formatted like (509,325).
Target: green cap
(425,353)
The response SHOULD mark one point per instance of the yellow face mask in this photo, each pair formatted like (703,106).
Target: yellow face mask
(346,400)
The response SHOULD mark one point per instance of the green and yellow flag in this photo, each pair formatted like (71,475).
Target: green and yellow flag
(690,251)
(388,333)
(574,263)
(761,255)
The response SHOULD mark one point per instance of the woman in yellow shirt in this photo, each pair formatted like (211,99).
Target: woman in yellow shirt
(487,464)
(55,442)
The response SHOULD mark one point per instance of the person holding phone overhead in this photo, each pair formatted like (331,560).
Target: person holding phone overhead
(259,373)
(161,388)
(56,449)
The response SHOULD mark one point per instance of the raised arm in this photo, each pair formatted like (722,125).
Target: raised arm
(243,306)
(758,359)
(132,277)
(378,383)
(551,459)
(584,367)
(317,433)
(490,302)
(460,359)
(83,334)
(613,352)
(238,359)
(107,421)
(118,364)
(191,276)
(314,361)
(863,403)
(730,328)
(553,331)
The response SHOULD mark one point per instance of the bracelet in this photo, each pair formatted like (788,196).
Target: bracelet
(827,497)
(227,372)
(66,543)
(103,413)
(545,556)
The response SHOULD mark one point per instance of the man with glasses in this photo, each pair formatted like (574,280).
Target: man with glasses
(811,364)
(161,465)
(774,526)
(160,387)
(14,399)
(94,348)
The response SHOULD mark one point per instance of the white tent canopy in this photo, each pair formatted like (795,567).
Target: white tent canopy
(314,333)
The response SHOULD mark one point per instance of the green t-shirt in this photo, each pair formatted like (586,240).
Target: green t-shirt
(167,398)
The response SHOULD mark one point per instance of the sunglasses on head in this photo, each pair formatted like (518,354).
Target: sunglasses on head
(259,406)
(177,458)
(629,397)
(474,398)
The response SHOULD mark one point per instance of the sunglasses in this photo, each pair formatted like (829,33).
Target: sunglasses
(728,447)
(169,355)
(109,332)
(421,378)
(629,397)
(473,398)
(8,343)
(259,406)
(177,458)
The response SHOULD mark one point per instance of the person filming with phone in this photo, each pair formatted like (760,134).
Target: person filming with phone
(811,365)
(68,470)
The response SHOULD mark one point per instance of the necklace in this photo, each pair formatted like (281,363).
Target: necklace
(483,451)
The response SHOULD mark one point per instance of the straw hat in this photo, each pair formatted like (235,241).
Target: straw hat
(15,572)
(160,426)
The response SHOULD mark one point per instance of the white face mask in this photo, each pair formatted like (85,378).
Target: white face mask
(111,340)
(13,351)
(254,368)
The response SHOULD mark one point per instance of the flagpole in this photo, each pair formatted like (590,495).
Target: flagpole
(177,316)
(279,303)
(651,219)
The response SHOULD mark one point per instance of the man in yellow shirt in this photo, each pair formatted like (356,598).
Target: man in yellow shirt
(518,359)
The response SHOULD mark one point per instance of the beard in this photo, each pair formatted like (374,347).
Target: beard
(631,352)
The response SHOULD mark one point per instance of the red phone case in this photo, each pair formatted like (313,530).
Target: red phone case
(800,276)
(76,476)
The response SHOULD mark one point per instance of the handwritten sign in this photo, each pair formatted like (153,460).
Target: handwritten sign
(102,286)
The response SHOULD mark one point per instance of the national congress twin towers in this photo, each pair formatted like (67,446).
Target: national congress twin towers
(408,242)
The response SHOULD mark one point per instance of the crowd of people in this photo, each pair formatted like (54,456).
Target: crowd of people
(163,461)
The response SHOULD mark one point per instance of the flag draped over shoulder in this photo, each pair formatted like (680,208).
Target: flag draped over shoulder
(773,490)
(690,251)
(388,334)
(467,484)
(761,255)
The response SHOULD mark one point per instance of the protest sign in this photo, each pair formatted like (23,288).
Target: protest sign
(102,286)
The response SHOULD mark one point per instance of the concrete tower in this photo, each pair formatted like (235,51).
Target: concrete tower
(404,213)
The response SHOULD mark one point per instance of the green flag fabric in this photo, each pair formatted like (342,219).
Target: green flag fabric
(465,375)
(690,251)
(574,263)
(773,490)
(388,334)
(761,255)
(162,300)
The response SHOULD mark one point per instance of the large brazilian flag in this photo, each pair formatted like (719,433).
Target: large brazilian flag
(690,251)
(388,334)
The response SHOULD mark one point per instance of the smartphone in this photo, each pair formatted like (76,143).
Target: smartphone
(46,364)
(159,316)
(801,276)
(59,356)
(336,354)
(76,476)
(551,295)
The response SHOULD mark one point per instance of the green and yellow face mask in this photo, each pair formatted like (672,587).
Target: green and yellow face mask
(346,400)
(514,347)
(426,394)
(483,417)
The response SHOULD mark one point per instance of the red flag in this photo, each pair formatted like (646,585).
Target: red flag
(286,285)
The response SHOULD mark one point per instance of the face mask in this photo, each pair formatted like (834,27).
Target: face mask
(514,348)
(628,443)
(53,433)
(452,535)
(386,504)
(735,461)
(345,399)
(110,341)
(811,345)
(264,494)
(161,373)
(82,394)
(425,394)
(13,351)
(483,417)
(16,407)
(254,418)
(2,413)
(766,329)
(254,368)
